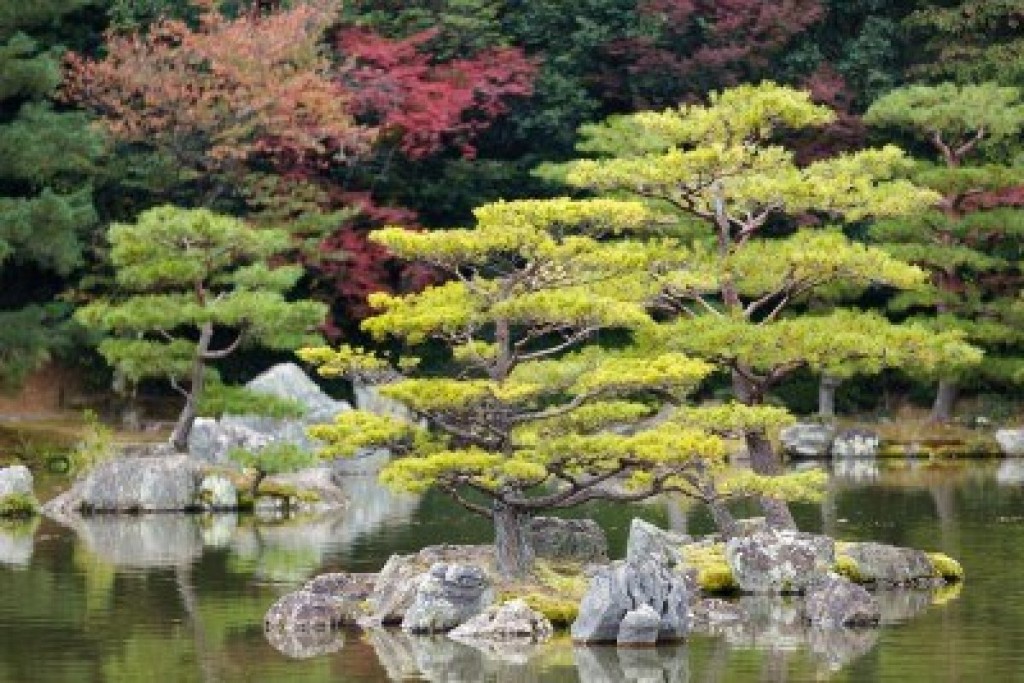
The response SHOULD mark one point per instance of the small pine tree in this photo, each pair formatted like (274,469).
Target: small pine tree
(193,287)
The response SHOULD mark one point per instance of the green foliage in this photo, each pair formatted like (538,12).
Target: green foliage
(219,399)
(276,458)
(946,567)
(19,505)
(95,445)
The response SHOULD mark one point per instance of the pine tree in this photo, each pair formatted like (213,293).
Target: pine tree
(969,242)
(192,288)
(47,158)
(554,392)
(718,167)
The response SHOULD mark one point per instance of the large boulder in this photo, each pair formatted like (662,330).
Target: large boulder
(165,483)
(217,493)
(305,611)
(398,581)
(807,439)
(511,621)
(622,587)
(835,602)
(16,495)
(777,561)
(1011,442)
(639,628)
(886,565)
(447,596)
(647,541)
(856,443)
(211,440)
(575,540)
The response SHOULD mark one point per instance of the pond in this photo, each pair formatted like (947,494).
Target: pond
(181,598)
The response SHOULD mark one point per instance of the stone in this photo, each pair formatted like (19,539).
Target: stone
(836,602)
(368,398)
(511,621)
(217,493)
(304,611)
(1011,442)
(397,583)
(17,541)
(639,628)
(350,587)
(573,540)
(888,564)
(317,488)
(623,586)
(15,480)
(807,439)
(778,561)
(707,615)
(856,443)
(211,440)
(447,596)
(135,484)
(647,541)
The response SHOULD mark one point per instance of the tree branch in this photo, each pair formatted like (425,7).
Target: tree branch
(226,351)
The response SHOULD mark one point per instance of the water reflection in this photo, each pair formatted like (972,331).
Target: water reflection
(305,644)
(611,664)
(17,538)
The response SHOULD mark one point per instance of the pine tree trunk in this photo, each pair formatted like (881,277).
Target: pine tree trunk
(512,549)
(763,459)
(197,378)
(827,387)
(945,400)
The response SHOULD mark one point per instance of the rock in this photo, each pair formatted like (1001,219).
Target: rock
(647,541)
(779,561)
(16,496)
(350,587)
(315,489)
(707,615)
(575,540)
(1011,442)
(398,580)
(639,628)
(835,602)
(447,596)
(511,621)
(217,493)
(304,611)
(368,398)
(888,564)
(136,484)
(855,443)
(211,440)
(622,587)
(807,439)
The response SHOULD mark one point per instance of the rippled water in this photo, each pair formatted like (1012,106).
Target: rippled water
(179,598)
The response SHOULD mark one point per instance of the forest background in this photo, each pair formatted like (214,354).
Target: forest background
(331,120)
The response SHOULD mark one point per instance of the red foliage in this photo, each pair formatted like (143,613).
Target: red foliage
(709,43)
(845,134)
(430,106)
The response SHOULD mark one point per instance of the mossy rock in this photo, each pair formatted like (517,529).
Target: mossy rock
(847,566)
(714,577)
(555,589)
(287,491)
(19,505)
(946,567)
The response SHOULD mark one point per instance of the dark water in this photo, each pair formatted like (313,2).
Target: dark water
(176,598)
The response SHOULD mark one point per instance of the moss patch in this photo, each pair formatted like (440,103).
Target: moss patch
(713,573)
(18,505)
(555,590)
(945,566)
(846,566)
(270,488)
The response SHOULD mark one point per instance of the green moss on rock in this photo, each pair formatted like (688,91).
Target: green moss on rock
(19,505)
(946,567)
(847,566)
(714,576)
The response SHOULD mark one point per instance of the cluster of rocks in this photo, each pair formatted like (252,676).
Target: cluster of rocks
(821,440)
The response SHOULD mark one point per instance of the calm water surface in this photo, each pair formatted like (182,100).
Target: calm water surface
(180,598)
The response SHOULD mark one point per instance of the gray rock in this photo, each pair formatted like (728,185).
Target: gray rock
(211,440)
(511,621)
(889,564)
(835,602)
(779,561)
(1011,442)
(647,541)
(318,481)
(398,580)
(138,484)
(15,480)
(807,439)
(622,587)
(639,628)
(575,540)
(368,398)
(855,443)
(447,596)
(217,493)
(304,611)
(708,615)
(350,587)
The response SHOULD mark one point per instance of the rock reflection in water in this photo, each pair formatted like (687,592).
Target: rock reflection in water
(1011,472)
(142,541)
(305,644)
(440,659)
(16,540)
(855,470)
(603,664)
